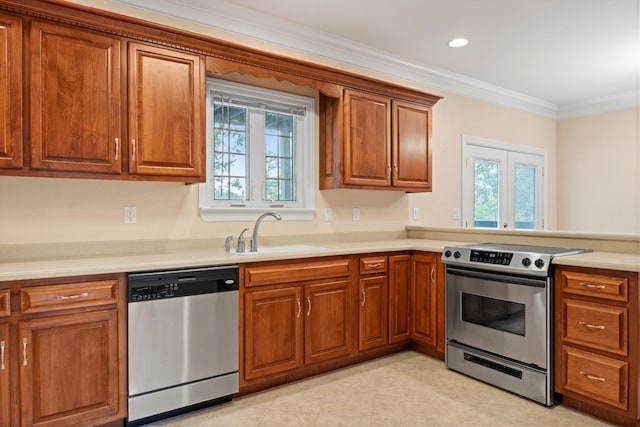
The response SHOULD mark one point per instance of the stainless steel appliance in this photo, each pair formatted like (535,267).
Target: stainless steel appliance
(183,341)
(499,315)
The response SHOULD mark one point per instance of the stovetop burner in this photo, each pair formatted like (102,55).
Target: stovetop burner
(504,257)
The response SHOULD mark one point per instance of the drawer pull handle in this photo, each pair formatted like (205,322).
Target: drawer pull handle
(593,378)
(299,309)
(590,326)
(2,346)
(24,352)
(364,297)
(374,265)
(592,286)
(76,296)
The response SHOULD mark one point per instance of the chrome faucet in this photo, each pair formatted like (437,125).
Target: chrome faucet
(254,238)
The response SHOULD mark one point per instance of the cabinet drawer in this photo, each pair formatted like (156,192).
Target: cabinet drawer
(295,272)
(596,377)
(69,295)
(596,325)
(599,286)
(371,265)
(5,302)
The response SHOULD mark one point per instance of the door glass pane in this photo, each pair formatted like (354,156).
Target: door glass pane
(486,191)
(525,197)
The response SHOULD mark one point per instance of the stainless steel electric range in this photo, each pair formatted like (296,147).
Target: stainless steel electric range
(499,315)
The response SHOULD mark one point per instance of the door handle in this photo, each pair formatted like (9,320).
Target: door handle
(309,309)
(2,347)
(433,275)
(364,297)
(24,352)
(299,308)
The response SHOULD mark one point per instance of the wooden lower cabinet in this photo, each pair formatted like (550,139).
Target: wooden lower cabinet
(69,368)
(294,315)
(5,366)
(399,298)
(424,276)
(272,331)
(327,322)
(64,359)
(373,317)
(597,342)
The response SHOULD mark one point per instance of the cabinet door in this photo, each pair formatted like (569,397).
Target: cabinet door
(399,298)
(367,149)
(11,155)
(423,294)
(327,326)
(69,369)
(166,106)
(272,331)
(75,99)
(411,142)
(373,323)
(5,363)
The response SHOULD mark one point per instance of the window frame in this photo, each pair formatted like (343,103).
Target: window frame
(303,207)
(509,156)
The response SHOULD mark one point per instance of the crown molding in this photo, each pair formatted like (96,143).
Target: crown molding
(253,25)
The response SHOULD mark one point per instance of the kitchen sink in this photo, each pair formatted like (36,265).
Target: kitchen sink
(280,249)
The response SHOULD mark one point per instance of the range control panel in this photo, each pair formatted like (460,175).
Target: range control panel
(486,257)
(527,263)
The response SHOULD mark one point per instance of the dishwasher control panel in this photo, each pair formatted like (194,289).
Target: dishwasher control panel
(181,283)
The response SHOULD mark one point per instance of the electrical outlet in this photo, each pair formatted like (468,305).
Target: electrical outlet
(328,214)
(456,213)
(130,215)
(416,214)
(355,214)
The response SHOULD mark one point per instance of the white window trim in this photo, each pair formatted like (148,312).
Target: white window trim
(303,209)
(469,141)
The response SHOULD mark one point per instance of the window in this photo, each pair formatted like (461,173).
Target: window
(260,153)
(502,185)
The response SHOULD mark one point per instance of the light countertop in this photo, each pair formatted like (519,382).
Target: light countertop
(117,262)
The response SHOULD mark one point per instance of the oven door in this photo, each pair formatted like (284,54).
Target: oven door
(501,314)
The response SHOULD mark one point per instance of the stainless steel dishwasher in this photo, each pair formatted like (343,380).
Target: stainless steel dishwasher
(183,341)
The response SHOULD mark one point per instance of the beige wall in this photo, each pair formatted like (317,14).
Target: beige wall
(44,210)
(598,172)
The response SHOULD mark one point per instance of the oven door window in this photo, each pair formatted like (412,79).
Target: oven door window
(494,313)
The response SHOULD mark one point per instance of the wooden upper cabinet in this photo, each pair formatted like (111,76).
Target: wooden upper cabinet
(411,145)
(376,142)
(75,79)
(367,151)
(11,152)
(166,112)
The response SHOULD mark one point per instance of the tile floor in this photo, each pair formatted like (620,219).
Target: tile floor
(404,389)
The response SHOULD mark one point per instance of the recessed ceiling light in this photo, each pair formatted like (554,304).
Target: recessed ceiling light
(458,42)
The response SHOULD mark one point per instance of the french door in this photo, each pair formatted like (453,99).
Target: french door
(502,186)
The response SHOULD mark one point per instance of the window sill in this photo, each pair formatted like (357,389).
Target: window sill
(251,214)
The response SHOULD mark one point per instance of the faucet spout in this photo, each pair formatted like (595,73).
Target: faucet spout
(254,238)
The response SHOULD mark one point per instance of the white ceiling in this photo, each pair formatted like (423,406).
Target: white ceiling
(558,58)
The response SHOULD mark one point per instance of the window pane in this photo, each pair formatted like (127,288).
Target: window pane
(230,168)
(279,171)
(525,197)
(486,174)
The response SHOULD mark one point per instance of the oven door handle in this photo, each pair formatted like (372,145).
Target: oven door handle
(506,278)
